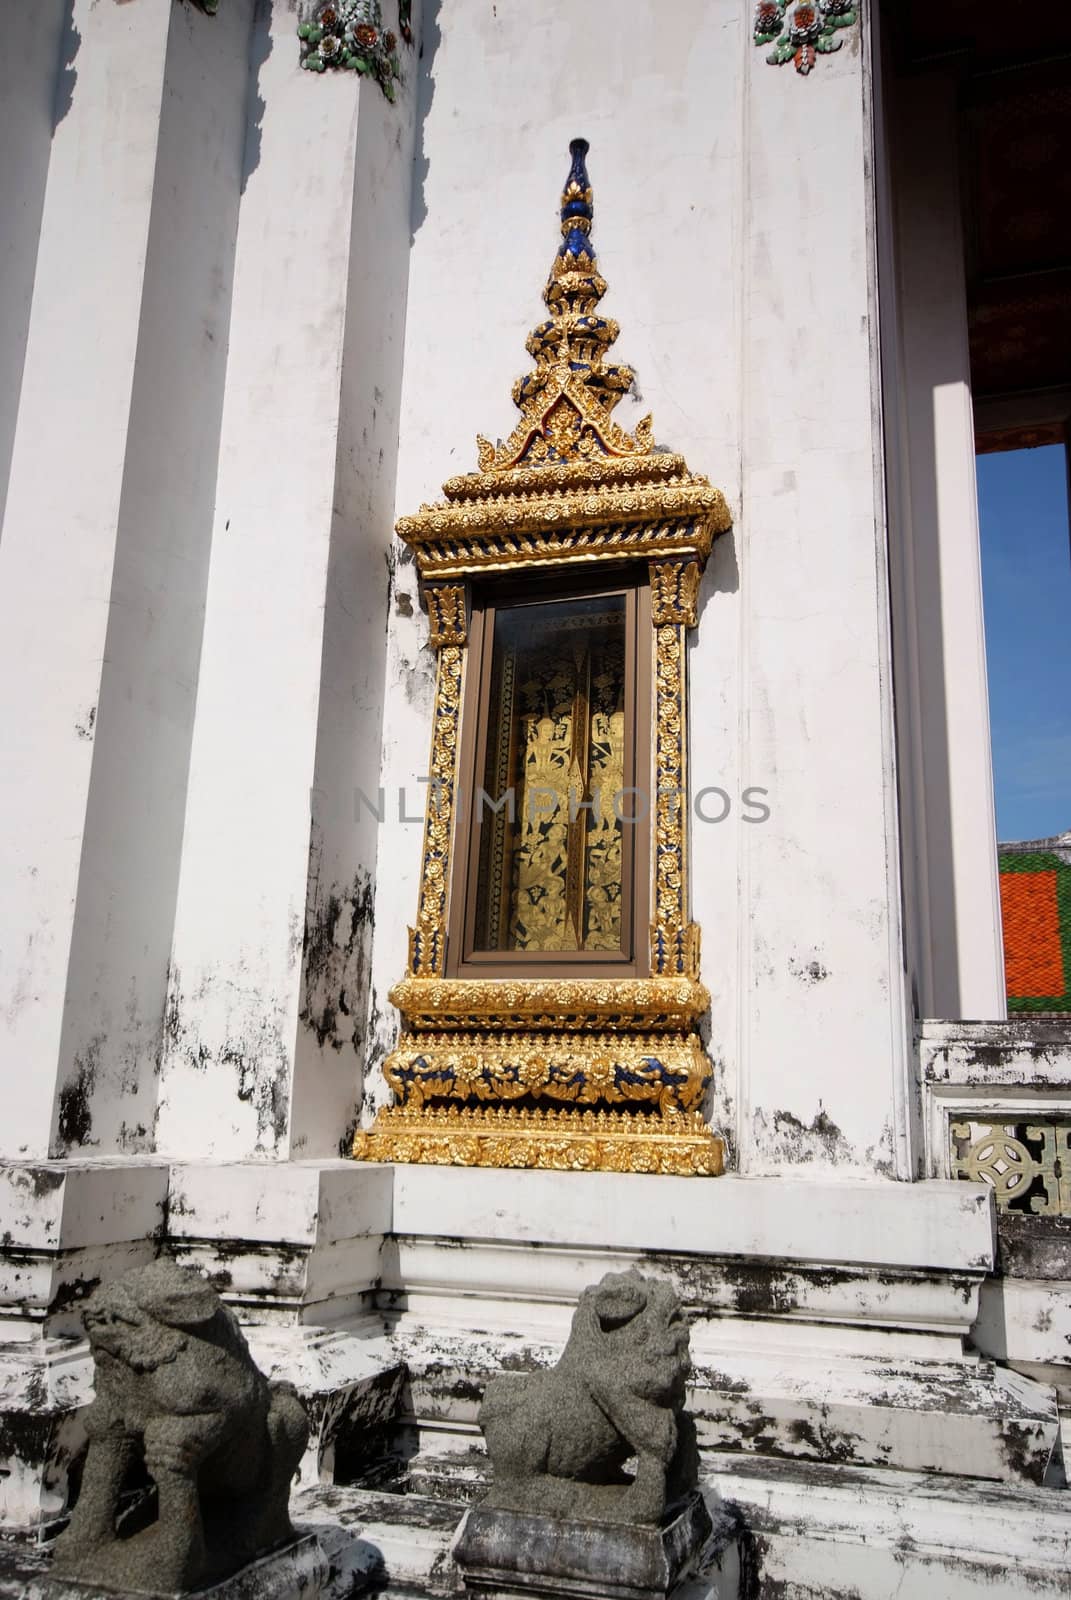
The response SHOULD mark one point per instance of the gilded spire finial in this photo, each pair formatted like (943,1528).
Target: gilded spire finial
(575,338)
(566,402)
(569,484)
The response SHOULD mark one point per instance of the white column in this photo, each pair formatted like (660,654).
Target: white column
(117,978)
(61,522)
(32,93)
(257,1061)
(943,727)
(133,296)
(824,1041)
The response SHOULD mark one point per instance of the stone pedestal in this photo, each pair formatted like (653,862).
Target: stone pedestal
(298,1571)
(513,1553)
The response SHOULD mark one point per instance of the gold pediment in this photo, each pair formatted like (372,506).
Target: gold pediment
(569,485)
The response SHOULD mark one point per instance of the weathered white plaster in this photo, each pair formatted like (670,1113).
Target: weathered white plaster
(348,1385)
(1031,1054)
(297,539)
(61,525)
(945,1225)
(330,1049)
(824,1048)
(1028,1322)
(117,977)
(297,1242)
(834,1532)
(66,1225)
(810,1333)
(735,1303)
(43,1385)
(33,92)
(377,1535)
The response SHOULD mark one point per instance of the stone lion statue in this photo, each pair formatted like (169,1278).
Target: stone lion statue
(559,1440)
(176,1385)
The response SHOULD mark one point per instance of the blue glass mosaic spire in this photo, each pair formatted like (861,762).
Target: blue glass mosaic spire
(577,210)
(574,334)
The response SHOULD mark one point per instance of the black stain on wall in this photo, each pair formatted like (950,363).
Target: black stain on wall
(335,955)
(75,1121)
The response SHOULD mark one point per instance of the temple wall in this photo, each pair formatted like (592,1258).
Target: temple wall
(62,528)
(731,224)
(117,975)
(248,316)
(289,690)
(31,100)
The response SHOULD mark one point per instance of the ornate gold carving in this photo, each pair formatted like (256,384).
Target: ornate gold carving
(623,1005)
(674,941)
(446,614)
(565,1141)
(427,941)
(1026,1164)
(522,528)
(504,551)
(674,592)
(569,485)
(668,1071)
(568,488)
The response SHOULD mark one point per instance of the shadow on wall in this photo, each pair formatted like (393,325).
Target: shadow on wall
(68,73)
(260,48)
(427,44)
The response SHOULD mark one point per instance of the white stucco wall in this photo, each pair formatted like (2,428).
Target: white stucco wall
(269,211)
(117,977)
(288,700)
(732,224)
(31,100)
(61,524)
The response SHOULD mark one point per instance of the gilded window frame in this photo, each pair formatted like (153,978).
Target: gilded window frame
(462,959)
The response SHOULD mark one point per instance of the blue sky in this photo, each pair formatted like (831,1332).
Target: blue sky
(1026,579)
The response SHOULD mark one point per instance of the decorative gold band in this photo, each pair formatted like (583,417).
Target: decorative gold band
(669,1071)
(563,1004)
(565,1141)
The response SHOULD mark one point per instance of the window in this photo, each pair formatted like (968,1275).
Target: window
(552,856)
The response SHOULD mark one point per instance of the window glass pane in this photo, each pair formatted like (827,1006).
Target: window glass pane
(550,856)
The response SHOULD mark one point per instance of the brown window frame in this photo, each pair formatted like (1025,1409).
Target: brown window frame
(462,961)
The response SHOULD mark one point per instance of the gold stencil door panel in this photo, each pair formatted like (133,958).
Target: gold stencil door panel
(602,843)
(547,705)
(551,870)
